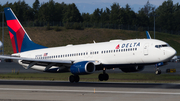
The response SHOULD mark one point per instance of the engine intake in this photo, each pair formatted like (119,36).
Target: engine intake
(84,67)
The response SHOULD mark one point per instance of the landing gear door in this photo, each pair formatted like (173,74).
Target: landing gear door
(146,49)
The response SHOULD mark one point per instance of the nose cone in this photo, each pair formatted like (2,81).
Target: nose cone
(170,53)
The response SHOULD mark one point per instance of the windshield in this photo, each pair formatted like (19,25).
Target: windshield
(163,45)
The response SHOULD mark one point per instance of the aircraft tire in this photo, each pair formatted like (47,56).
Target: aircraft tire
(76,78)
(71,78)
(106,76)
(101,77)
(159,72)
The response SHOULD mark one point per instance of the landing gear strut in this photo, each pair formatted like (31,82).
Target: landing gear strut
(74,78)
(103,76)
(158,71)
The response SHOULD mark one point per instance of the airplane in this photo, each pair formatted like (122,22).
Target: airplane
(128,55)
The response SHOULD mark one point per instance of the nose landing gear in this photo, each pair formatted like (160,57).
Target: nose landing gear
(158,71)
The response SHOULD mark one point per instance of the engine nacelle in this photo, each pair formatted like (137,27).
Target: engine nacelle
(132,69)
(84,67)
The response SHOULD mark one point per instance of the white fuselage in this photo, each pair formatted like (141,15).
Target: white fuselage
(115,52)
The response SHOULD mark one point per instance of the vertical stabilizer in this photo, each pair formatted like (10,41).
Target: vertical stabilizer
(148,35)
(19,38)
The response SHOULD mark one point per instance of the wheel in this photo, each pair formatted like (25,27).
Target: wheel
(106,76)
(76,78)
(101,78)
(71,78)
(158,72)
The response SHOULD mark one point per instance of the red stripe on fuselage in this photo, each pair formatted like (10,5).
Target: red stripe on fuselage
(13,42)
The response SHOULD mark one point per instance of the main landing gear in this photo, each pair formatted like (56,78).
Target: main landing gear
(158,71)
(74,78)
(103,76)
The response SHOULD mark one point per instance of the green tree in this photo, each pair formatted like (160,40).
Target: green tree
(114,16)
(42,14)
(86,17)
(130,16)
(36,6)
(71,14)
(96,16)
(142,18)
(105,16)
(176,14)
(58,13)
(165,16)
(22,11)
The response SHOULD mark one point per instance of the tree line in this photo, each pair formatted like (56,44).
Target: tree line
(166,15)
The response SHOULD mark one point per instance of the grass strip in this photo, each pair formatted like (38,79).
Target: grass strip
(113,77)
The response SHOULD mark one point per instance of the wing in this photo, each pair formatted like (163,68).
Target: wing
(48,63)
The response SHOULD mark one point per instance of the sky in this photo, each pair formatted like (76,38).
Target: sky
(88,6)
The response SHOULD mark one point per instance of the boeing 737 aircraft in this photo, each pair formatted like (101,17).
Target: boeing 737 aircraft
(127,55)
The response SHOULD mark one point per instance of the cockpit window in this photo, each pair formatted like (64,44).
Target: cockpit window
(164,45)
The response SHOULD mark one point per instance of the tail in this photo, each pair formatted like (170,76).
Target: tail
(148,35)
(20,40)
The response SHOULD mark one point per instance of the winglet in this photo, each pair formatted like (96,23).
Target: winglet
(148,35)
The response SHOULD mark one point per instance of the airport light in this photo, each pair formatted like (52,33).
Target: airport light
(154,23)
(154,26)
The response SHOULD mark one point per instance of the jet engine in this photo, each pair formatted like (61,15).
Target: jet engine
(84,67)
(132,69)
